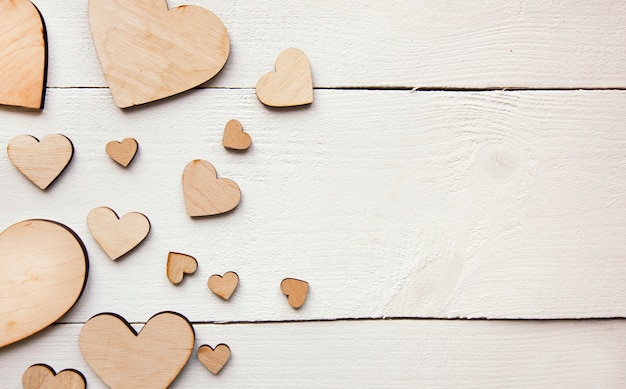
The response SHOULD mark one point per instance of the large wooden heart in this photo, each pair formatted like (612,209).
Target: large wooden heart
(149,52)
(43,269)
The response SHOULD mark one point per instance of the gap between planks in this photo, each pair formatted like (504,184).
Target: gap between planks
(398,88)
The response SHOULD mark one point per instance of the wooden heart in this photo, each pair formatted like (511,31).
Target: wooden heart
(122,152)
(23,55)
(290,85)
(117,236)
(43,270)
(124,359)
(178,265)
(205,194)
(40,162)
(149,52)
(234,136)
(214,359)
(42,376)
(224,286)
(295,290)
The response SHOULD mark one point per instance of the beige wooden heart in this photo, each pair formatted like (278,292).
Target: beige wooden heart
(117,236)
(290,85)
(122,152)
(40,162)
(23,53)
(295,290)
(149,52)
(43,272)
(214,359)
(205,194)
(42,376)
(124,359)
(224,286)
(234,136)
(178,265)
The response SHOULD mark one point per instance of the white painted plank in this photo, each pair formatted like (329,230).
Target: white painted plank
(376,354)
(424,204)
(411,43)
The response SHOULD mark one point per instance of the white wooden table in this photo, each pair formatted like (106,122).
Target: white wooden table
(462,160)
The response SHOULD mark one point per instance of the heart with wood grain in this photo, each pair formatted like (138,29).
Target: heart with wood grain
(224,286)
(295,290)
(42,376)
(178,265)
(205,194)
(122,152)
(290,85)
(214,359)
(235,137)
(148,51)
(117,236)
(125,359)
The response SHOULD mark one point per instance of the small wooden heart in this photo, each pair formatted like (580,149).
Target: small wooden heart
(290,85)
(224,286)
(122,152)
(42,376)
(24,52)
(40,162)
(117,236)
(234,136)
(178,265)
(295,290)
(214,359)
(124,359)
(205,194)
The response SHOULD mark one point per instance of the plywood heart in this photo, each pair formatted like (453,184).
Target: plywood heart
(235,137)
(117,236)
(290,85)
(214,359)
(122,152)
(42,376)
(224,286)
(178,265)
(205,194)
(295,290)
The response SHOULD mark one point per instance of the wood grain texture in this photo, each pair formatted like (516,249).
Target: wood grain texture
(235,137)
(122,152)
(224,286)
(205,194)
(117,235)
(295,290)
(290,84)
(178,265)
(214,358)
(44,377)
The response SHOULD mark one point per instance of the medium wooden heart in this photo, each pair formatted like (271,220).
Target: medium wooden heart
(234,136)
(42,376)
(122,152)
(214,359)
(178,265)
(290,85)
(149,52)
(295,290)
(124,359)
(23,55)
(224,286)
(43,270)
(117,236)
(40,162)
(205,194)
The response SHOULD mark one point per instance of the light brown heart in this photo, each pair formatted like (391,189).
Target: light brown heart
(178,265)
(24,51)
(122,152)
(149,52)
(40,161)
(124,359)
(42,376)
(214,359)
(117,236)
(205,194)
(295,290)
(224,286)
(290,85)
(234,136)
(43,272)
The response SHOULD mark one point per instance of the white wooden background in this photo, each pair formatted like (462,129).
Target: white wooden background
(461,160)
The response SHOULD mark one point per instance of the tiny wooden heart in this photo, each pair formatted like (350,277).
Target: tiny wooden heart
(42,376)
(205,194)
(117,236)
(43,270)
(149,52)
(122,152)
(178,265)
(124,359)
(290,85)
(224,286)
(40,162)
(214,359)
(23,53)
(295,290)
(234,136)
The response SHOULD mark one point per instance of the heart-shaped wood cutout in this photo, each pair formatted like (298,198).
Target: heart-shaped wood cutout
(42,376)
(214,359)
(122,152)
(295,290)
(43,270)
(23,55)
(224,286)
(178,265)
(40,162)
(117,236)
(205,194)
(149,52)
(124,359)
(234,136)
(290,85)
